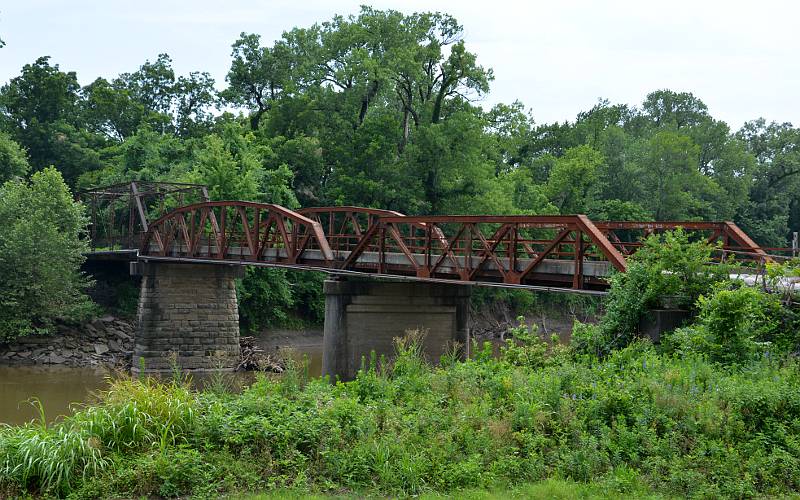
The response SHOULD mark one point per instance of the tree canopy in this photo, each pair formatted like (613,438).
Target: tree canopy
(383,109)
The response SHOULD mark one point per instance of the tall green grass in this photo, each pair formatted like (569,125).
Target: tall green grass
(637,422)
(132,415)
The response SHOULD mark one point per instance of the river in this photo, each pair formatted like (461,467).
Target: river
(62,389)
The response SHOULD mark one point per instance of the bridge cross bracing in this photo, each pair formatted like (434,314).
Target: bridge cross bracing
(177,222)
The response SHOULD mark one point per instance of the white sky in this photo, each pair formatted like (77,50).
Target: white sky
(557,57)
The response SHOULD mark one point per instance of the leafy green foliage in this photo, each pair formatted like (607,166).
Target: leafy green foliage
(376,109)
(667,268)
(524,347)
(735,325)
(13,161)
(228,175)
(41,251)
(265,299)
(379,109)
(573,178)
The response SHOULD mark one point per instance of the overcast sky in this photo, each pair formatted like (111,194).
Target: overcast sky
(557,57)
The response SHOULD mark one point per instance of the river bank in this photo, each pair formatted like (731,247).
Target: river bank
(107,341)
(491,422)
(66,368)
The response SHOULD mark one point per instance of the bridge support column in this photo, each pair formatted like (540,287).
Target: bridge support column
(188,314)
(365,316)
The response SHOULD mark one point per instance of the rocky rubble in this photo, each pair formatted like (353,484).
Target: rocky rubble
(106,341)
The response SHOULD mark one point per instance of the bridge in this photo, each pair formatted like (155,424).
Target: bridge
(189,249)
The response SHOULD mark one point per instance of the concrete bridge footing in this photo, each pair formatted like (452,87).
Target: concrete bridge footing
(188,315)
(365,316)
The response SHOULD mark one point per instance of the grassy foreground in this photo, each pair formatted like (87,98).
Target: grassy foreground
(638,422)
(549,489)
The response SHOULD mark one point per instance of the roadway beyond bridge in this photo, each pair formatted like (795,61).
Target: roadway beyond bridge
(189,250)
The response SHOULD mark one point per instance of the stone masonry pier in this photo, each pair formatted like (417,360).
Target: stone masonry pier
(187,312)
(365,316)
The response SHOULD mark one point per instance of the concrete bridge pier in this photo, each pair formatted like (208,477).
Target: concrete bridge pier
(365,316)
(189,313)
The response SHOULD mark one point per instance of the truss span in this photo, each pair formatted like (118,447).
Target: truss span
(568,252)
(238,231)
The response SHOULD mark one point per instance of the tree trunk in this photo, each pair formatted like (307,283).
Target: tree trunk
(406,131)
(371,93)
(255,119)
(437,105)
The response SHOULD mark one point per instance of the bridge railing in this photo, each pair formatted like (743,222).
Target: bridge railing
(627,236)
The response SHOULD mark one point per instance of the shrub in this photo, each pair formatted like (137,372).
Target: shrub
(669,265)
(41,251)
(735,324)
(523,347)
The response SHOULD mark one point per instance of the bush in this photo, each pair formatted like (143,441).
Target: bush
(523,347)
(736,323)
(667,266)
(41,251)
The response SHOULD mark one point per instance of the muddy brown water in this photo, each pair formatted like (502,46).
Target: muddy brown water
(62,390)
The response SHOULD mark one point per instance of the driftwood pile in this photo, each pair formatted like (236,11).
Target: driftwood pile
(253,358)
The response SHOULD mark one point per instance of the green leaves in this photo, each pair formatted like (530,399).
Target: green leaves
(228,175)
(573,179)
(736,323)
(13,161)
(41,250)
(667,265)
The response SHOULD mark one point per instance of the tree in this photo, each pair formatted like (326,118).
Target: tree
(258,75)
(153,95)
(41,250)
(302,157)
(347,62)
(152,84)
(573,180)
(450,162)
(677,109)
(109,109)
(774,207)
(13,160)
(40,110)
(511,128)
(194,95)
(41,94)
(425,78)
(228,175)
(674,188)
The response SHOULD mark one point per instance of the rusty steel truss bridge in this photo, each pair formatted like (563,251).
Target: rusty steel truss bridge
(175,222)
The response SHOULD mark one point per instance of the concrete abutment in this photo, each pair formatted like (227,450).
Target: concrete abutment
(365,316)
(187,315)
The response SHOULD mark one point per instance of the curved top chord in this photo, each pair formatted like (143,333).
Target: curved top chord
(236,230)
